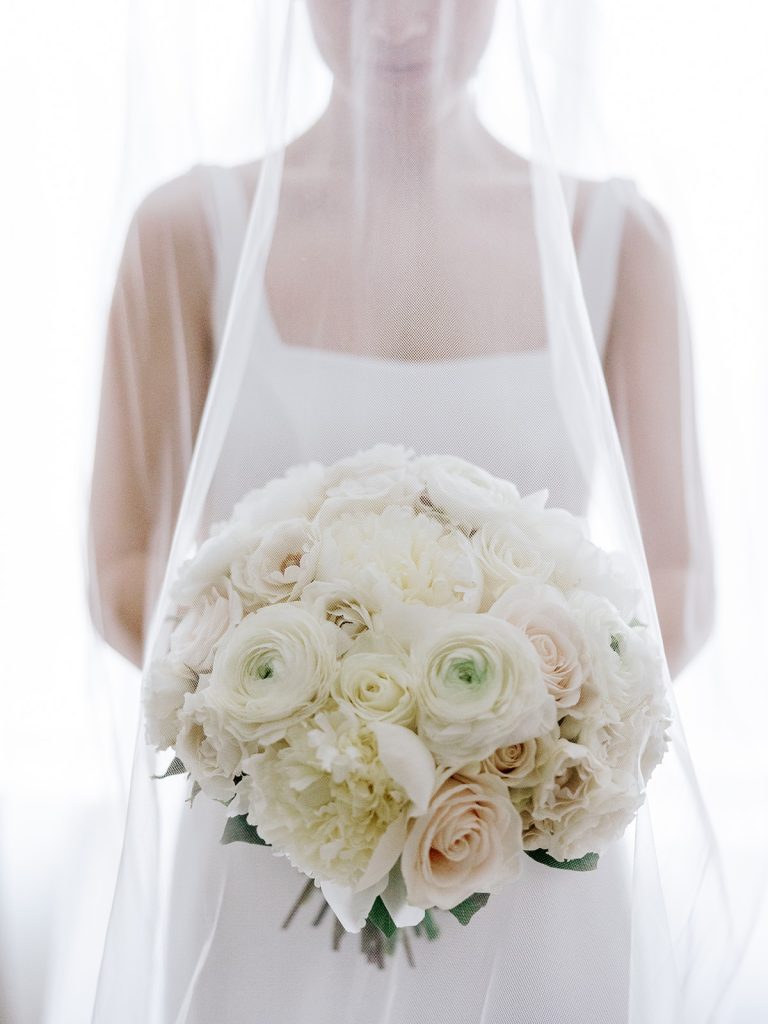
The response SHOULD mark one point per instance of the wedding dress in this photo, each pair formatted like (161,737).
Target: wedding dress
(523,956)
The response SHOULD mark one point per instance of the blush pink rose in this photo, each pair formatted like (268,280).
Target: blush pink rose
(469,840)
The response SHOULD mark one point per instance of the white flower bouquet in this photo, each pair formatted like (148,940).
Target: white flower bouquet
(403,676)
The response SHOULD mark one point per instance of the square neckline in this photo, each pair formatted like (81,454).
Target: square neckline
(234,202)
(329,355)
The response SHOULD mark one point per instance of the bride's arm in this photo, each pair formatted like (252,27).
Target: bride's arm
(155,377)
(649,373)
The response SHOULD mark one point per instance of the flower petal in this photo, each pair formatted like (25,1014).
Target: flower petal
(352,908)
(395,899)
(386,854)
(408,761)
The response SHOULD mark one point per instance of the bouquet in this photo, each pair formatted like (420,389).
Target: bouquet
(403,676)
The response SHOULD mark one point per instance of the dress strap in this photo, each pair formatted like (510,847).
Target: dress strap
(227,215)
(599,251)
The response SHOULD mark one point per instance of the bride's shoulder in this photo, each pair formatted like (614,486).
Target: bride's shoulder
(171,220)
(646,233)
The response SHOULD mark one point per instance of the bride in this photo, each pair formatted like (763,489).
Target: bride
(394,273)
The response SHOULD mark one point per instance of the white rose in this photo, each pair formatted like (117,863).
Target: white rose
(375,679)
(208,750)
(401,552)
(195,638)
(209,566)
(334,796)
(278,564)
(480,687)
(469,840)
(625,663)
(563,538)
(465,493)
(508,556)
(382,475)
(579,806)
(272,669)
(519,765)
(545,617)
(166,684)
(298,493)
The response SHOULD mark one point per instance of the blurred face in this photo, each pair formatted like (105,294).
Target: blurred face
(398,46)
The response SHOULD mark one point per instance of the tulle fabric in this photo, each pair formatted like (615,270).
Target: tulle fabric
(403,258)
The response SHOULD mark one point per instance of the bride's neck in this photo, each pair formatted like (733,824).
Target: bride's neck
(390,142)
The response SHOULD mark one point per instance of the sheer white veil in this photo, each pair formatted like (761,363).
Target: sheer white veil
(282,97)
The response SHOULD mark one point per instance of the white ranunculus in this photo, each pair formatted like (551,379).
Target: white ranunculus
(545,617)
(334,795)
(298,493)
(375,678)
(480,687)
(508,556)
(340,604)
(208,750)
(579,806)
(166,684)
(196,636)
(404,553)
(468,840)
(272,669)
(465,493)
(279,563)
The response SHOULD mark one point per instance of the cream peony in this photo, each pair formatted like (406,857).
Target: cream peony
(546,618)
(579,805)
(340,604)
(166,684)
(480,686)
(334,795)
(209,752)
(633,741)
(465,493)
(401,552)
(278,564)
(469,840)
(375,679)
(272,669)
(196,637)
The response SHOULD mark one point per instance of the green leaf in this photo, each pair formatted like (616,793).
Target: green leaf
(380,918)
(237,830)
(615,643)
(430,925)
(176,767)
(196,788)
(464,911)
(586,863)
